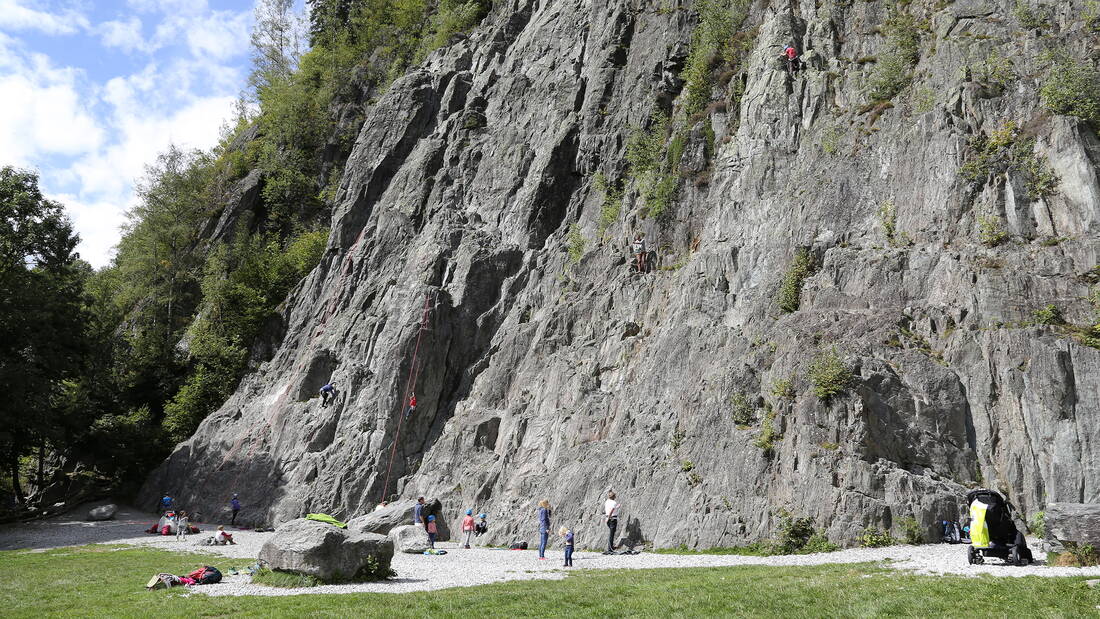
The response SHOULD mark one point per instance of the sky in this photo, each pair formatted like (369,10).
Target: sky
(92,90)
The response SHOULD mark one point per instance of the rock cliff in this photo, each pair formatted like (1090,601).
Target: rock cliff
(550,370)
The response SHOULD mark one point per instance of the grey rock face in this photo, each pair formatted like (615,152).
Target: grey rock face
(103,512)
(382,520)
(1077,523)
(324,551)
(546,375)
(410,538)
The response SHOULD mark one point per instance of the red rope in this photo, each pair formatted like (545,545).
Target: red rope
(414,374)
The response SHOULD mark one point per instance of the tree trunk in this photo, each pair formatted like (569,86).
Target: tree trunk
(14,470)
(39,481)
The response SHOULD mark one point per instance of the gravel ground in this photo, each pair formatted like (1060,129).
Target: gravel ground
(478,566)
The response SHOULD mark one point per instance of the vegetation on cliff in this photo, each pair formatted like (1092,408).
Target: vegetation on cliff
(137,354)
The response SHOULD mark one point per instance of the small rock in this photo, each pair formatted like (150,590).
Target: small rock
(103,512)
(409,538)
(1093,582)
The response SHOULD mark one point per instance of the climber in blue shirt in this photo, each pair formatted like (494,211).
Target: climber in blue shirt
(328,392)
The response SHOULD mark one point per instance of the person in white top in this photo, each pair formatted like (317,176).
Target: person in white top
(611,509)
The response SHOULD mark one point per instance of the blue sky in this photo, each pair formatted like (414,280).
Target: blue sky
(92,91)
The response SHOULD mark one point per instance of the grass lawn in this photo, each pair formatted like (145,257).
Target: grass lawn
(105,581)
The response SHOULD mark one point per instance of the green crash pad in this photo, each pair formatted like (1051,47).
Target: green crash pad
(326,518)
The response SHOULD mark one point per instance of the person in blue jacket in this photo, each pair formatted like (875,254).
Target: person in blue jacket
(544,527)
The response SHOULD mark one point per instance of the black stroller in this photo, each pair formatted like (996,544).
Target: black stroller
(992,532)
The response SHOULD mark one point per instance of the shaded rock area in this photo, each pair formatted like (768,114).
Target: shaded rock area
(549,370)
(326,552)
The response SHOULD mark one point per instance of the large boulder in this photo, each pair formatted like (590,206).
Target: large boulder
(327,552)
(1076,523)
(103,512)
(384,520)
(410,538)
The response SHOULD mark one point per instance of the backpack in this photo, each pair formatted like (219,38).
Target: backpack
(518,546)
(951,532)
(210,576)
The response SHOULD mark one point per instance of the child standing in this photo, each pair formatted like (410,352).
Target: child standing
(182,525)
(432,530)
(568,535)
(468,527)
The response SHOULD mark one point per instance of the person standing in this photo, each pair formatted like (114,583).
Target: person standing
(567,534)
(182,525)
(166,503)
(235,505)
(432,531)
(611,509)
(544,527)
(468,527)
(418,513)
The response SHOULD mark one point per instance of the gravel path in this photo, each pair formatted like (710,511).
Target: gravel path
(478,566)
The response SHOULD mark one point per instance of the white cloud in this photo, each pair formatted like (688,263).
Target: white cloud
(125,35)
(98,223)
(92,140)
(42,111)
(15,16)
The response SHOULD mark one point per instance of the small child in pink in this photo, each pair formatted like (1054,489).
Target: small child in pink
(468,527)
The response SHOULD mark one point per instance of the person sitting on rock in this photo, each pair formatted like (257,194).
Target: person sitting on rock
(481,527)
(328,392)
(433,530)
(223,538)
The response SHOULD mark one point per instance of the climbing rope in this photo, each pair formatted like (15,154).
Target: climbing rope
(410,385)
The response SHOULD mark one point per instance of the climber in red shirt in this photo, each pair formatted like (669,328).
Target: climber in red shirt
(412,406)
(790,55)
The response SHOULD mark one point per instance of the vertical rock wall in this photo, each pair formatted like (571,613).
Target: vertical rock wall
(545,377)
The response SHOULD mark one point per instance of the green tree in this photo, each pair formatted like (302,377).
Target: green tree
(41,317)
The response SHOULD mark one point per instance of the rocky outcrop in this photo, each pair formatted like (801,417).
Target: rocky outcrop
(548,370)
(410,538)
(1072,523)
(326,552)
(386,518)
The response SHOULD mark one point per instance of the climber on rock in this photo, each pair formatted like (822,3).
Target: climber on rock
(412,406)
(328,392)
(638,249)
(790,56)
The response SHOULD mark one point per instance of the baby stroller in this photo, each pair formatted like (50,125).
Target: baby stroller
(992,533)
